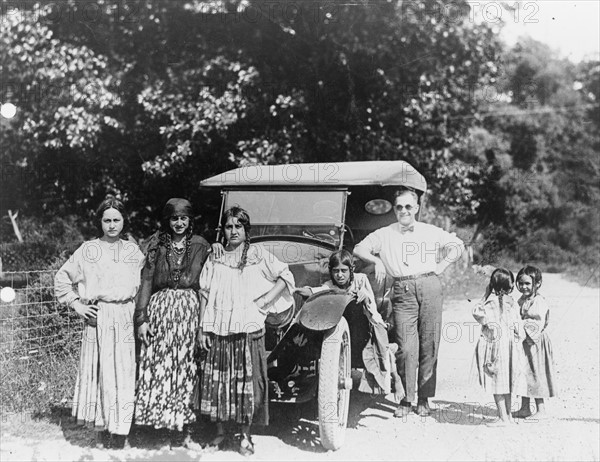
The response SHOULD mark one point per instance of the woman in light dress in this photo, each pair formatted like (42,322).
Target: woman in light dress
(99,281)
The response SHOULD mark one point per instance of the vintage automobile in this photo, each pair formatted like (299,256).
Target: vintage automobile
(302,213)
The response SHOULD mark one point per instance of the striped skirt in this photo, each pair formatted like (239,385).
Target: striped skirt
(167,370)
(104,391)
(233,380)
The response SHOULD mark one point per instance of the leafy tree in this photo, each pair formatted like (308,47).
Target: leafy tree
(64,98)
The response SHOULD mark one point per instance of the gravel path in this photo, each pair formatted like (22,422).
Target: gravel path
(455,431)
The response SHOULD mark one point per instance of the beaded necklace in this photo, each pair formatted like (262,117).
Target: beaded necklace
(176,254)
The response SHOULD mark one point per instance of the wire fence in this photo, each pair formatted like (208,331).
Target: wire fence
(39,343)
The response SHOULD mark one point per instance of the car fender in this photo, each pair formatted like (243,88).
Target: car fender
(323,310)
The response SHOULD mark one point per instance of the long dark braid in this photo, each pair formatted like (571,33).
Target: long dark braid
(244,258)
(188,240)
(502,282)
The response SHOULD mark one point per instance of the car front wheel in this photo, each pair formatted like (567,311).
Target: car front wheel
(334,386)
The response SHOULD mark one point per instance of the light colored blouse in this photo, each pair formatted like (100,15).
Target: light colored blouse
(102,271)
(231,292)
(535,314)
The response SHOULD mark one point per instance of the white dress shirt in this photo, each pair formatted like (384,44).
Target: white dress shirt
(413,252)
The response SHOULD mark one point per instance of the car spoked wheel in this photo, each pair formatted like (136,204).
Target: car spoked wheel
(334,386)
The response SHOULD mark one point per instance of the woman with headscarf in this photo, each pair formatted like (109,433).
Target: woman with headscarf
(100,281)
(166,318)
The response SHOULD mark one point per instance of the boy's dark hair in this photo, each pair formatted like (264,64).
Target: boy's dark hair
(533,272)
(341,257)
(502,281)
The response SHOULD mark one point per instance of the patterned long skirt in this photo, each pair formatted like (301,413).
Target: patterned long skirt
(104,391)
(167,370)
(233,380)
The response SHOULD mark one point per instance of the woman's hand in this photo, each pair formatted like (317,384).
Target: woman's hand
(144,333)
(217,250)
(304,291)
(360,295)
(203,340)
(85,311)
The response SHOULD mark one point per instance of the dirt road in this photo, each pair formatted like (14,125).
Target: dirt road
(455,431)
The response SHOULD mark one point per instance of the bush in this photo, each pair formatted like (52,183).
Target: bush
(44,242)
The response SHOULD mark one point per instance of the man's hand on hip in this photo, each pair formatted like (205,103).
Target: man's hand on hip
(380,272)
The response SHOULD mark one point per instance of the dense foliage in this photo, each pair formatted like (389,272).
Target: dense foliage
(146,98)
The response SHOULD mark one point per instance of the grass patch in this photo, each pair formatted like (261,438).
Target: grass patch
(29,425)
(36,384)
(587,276)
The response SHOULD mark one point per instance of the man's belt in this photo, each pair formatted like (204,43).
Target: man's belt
(415,276)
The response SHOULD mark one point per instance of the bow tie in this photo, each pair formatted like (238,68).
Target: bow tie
(406,229)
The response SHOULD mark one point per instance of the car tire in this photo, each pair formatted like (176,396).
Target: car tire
(334,386)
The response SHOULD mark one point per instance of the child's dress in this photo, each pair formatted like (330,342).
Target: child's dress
(378,355)
(498,355)
(539,363)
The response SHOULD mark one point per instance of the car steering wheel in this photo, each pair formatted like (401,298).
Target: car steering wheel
(325,237)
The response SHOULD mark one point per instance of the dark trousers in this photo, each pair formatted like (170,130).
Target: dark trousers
(417,314)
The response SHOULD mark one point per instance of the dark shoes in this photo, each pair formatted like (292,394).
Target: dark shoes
(403,409)
(218,442)
(423,408)
(117,441)
(106,440)
(102,440)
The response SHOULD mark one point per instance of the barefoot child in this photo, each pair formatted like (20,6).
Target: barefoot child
(498,350)
(370,339)
(539,363)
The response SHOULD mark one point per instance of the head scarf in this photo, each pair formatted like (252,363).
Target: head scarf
(177,206)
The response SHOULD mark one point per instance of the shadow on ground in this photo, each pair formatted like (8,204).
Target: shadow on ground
(462,413)
(296,425)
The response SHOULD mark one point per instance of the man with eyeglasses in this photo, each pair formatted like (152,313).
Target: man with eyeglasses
(413,254)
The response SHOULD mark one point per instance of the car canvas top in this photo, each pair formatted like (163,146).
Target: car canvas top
(317,175)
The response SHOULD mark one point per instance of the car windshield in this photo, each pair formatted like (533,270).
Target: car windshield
(315,214)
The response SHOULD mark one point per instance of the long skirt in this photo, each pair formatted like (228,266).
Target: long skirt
(167,369)
(233,380)
(104,391)
(539,368)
